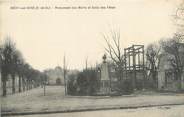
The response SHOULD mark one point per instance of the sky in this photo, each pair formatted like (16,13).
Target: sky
(45,36)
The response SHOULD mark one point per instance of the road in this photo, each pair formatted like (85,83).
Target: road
(164,111)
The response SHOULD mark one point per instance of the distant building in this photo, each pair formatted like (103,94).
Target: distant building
(55,76)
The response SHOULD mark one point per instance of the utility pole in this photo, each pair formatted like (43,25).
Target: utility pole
(44,88)
(64,73)
(86,63)
(44,83)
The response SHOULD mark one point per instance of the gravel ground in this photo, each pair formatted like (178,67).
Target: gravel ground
(55,100)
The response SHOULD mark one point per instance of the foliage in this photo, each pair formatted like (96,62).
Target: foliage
(12,63)
(72,84)
(126,87)
(175,48)
(85,83)
(8,49)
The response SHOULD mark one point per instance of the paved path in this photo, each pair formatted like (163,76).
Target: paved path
(165,111)
(55,100)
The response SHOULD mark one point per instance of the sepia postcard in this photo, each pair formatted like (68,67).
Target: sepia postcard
(92,58)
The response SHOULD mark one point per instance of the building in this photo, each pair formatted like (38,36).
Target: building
(55,76)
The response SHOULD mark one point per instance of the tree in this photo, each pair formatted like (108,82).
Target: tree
(72,84)
(44,80)
(93,82)
(179,18)
(114,50)
(16,61)
(31,77)
(7,50)
(37,77)
(12,63)
(175,48)
(20,73)
(12,58)
(152,55)
(24,75)
(27,72)
(179,22)
(1,59)
(87,82)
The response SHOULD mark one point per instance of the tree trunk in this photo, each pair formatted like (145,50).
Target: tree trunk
(13,83)
(27,84)
(20,84)
(4,87)
(154,75)
(31,84)
(179,81)
(24,84)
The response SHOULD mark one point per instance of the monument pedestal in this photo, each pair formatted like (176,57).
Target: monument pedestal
(105,80)
(105,87)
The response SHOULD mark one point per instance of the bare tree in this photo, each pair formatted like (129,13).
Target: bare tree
(114,50)
(175,48)
(179,18)
(152,55)
(179,21)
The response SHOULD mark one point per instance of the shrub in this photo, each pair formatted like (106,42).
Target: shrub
(126,87)
(84,83)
